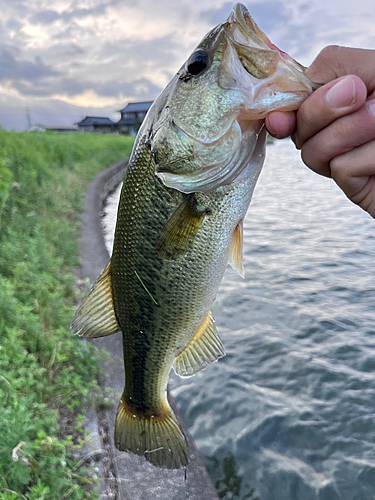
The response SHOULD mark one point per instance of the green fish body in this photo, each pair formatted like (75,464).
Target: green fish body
(188,185)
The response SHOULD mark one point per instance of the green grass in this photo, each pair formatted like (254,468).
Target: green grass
(47,375)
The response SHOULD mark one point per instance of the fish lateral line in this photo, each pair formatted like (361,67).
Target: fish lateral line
(144,286)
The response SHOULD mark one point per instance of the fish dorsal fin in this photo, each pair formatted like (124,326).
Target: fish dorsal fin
(205,348)
(179,233)
(236,251)
(96,315)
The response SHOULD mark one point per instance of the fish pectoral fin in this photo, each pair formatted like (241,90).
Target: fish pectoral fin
(96,316)
(178,235)
(205,348)
(236,251)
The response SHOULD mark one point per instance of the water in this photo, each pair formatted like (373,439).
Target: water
(289,413)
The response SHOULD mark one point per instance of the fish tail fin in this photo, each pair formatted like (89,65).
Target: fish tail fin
(156,437)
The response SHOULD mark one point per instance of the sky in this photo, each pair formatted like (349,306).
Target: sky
(65,59)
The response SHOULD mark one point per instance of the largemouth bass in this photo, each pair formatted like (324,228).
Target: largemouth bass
(189,182)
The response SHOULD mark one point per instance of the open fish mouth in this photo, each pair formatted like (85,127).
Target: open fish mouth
(246,78)
(258,55)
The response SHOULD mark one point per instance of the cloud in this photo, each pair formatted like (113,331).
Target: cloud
(266,14)
(50,16)
(269,15)
(142,88)
(160,54)
(13,69)
(217,15)
(45,17)
(96,52)
(80,13)
(13,24)
(51,113)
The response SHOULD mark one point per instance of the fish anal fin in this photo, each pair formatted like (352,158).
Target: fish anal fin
(96,316)
(205,348)
(156,437)
(178,235)
(236,251)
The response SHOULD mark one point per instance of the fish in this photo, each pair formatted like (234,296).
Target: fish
(189,181)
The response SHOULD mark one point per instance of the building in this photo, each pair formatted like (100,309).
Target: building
(96,124)
(132,116)
(62,129)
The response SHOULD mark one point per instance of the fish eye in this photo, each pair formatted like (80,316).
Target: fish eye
(197,62)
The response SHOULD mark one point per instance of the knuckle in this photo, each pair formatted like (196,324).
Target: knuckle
(306,157)
(338,133)
(314,158)
(329,52)
(306,122)
(350,131)
(324,58)
(306,116)
(323,68)
(337,166)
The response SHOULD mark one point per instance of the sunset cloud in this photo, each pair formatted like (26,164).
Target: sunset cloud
(100,54)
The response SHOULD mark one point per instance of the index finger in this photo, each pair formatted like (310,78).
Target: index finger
(334,62)
(335,99)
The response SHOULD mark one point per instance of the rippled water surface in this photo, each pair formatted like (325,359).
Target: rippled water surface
(289,412)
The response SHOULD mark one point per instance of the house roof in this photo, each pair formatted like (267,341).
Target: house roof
(68,129)
(126,121)
(95,120)
(136,107)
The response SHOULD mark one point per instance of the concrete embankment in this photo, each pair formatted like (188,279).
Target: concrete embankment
(126,476)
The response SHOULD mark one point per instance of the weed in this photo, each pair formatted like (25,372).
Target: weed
(47,376)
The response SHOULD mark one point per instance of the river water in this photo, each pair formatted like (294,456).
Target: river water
(289,412)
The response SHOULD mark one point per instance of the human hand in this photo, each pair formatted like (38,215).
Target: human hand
(335,126)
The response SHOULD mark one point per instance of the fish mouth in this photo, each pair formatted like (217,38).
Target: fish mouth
(258,78)
(260,57)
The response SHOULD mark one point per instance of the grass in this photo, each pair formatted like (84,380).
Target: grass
(47,375)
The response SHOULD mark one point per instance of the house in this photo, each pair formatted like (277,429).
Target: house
(132,116)
(96,124)
(62,129)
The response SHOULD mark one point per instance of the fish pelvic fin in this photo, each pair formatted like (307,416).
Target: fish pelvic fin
(96,316)
(178,235)
(236,251)
(205,348)
(156,437)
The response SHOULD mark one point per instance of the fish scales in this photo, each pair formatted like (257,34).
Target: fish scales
(188,185)
(182,298)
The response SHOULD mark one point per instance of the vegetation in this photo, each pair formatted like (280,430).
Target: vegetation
(47,376)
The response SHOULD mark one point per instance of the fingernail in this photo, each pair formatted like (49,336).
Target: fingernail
(342,94)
